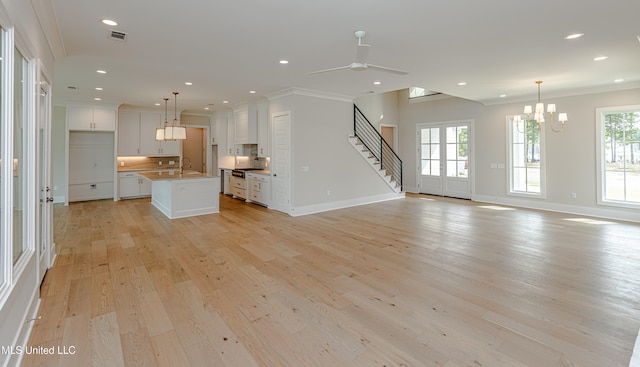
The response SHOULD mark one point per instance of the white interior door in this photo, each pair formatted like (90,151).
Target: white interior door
(281,162)
(45,207)
(444,154)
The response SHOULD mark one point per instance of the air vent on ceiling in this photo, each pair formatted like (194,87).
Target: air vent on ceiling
(72,87)
(117,36)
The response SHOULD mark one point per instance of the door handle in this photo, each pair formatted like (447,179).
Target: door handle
(49,200)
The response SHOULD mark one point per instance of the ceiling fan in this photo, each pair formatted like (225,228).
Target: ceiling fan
(360,62)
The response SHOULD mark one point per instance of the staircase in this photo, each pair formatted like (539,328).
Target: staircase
(375,150)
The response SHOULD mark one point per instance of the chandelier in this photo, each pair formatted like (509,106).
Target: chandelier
(175,132)
(539,114)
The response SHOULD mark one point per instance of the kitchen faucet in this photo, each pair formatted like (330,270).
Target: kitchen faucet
(186,162)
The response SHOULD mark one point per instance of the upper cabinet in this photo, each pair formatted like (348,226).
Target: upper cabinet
(231,134)
(264,149)
(137,135)
(91,119)
(246,124)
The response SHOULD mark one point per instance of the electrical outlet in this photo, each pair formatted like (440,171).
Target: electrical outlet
(573,195)
(122,164)
(328,192)
(172,162)
(160,163)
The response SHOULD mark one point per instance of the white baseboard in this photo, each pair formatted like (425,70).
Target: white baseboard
(561,208)
(635,357)
(318,208)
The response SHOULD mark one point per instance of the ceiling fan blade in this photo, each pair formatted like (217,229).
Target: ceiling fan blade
(361,53)
(389,70)
(328,70)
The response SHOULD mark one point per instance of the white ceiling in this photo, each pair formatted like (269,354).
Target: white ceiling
(227,48)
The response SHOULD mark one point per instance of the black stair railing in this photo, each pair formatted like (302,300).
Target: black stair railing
(375,143)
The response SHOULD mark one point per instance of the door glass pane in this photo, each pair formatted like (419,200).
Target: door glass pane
(430,151)
(457,161)
(19,147)
(435,168)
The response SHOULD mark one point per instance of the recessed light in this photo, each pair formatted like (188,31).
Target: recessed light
(462,83)
(252,91)
(109,22)
(98,88)
(503,95)
(188,83)
(206,108)
(97,99)
(157,104)
(574,36)
(225,101)
(377,83)
(618,81)
(600,58)
(284,62)
(101,72)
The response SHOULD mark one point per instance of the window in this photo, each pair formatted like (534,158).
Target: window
(19,147)
(3,176)
(618,147)
(526,158)
(417,92)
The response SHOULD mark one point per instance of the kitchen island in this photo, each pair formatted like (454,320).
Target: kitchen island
(179,195)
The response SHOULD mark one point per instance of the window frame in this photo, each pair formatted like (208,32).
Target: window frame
(511,191)
(601,161)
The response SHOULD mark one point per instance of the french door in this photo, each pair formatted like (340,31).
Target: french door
(444,151)
(45,207)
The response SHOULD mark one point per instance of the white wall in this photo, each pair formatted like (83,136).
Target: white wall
(337,175)
(571,155)
(381,108)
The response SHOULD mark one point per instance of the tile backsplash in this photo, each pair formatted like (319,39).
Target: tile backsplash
(147,163)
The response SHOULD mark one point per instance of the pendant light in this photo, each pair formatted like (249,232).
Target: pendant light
(175,132)
(160,130)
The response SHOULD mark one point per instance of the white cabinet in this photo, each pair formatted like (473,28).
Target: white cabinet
(238,187)
(246,124)
(227,181)
(231,135)
(264,149)
(137,135)
(259,188)
(149,121)
(131,184)
(91,119)
(91,165)
(128,133)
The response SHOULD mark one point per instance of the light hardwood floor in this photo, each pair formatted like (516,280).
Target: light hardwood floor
(421,281)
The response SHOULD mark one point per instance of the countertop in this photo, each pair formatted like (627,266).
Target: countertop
(174,175)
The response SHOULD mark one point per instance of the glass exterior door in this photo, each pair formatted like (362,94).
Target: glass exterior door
(444,159)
